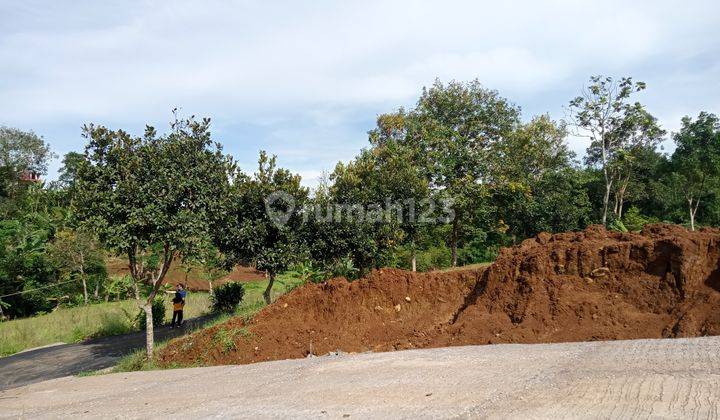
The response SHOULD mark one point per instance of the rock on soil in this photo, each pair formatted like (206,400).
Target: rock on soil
(580,286)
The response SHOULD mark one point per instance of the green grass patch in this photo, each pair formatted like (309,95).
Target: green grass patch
(252,303)
(72,325)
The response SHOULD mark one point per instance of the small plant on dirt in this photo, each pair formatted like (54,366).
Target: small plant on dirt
(245,332)
(227,297)
(344,267)
(225,339)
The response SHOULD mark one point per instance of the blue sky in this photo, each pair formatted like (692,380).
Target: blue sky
(305,80)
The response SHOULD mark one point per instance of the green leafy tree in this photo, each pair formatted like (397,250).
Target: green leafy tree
(22,153)
(603,112)
(263,220)
(389,186)
(531,151)
(696,160)
(455,128)
(76,253)
(152,198)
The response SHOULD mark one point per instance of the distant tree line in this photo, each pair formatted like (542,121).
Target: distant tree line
(463,158)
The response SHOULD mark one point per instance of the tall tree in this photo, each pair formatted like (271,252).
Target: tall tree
(393,193)
(73,253)
(22,154)
(531,151)
(152,198)
(68,171)
(603,112)
(455,127)
(263,220)
(696,160)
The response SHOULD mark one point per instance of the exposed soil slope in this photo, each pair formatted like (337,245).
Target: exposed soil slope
(192,278)
(591,285)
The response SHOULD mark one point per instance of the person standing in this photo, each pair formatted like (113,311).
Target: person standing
(178,305)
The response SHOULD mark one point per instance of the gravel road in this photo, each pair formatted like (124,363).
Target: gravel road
(677,378)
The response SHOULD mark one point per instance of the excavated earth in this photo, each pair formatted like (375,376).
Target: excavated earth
(579,286)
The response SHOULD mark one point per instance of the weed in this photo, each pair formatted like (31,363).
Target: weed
(225,339)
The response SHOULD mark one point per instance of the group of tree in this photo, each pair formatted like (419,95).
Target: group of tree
(447,182)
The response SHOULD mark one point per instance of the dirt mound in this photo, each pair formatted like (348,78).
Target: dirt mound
(590,285)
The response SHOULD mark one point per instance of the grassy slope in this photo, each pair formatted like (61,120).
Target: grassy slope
(69,325)
(251,304)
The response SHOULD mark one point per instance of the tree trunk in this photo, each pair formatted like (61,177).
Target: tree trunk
(268,289)
(149,337)
(156,283)
(693,211)
(453,242)
(96,293)
(82,277)
(85,292)
(606,201)
(210,287)
(414,262)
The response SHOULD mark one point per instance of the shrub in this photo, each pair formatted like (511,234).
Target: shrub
(634,220)
(343,267)
(227,297)
(158,312)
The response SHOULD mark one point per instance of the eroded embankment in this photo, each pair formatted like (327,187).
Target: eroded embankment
(590,285)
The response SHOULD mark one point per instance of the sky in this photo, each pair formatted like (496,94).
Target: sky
(306,80)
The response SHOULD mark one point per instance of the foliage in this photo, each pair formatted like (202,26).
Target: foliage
(227,297)
(77,255)
(618,226)
(152,198)
(158,314)
(262,221)
(634,221)
(603,112)
(455,131)
(696,161)
(21,153)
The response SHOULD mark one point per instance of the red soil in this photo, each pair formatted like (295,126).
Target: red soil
(591,285)
(192,277)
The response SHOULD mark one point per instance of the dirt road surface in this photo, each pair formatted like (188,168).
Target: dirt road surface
(677,378)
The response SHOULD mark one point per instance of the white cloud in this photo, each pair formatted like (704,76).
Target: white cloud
(315,74)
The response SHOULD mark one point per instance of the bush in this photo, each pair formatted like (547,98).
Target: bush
(227,297)
(158,313)
(634,221)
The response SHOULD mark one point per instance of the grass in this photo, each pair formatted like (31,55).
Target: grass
(251,304)
(72,325)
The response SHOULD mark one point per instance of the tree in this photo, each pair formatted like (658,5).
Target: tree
(73,253)
(263,220)
(68,171)
(696,160)
(152,198)
(21,153)
(531,151)
(614,125)
(454,129)
(386,182)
